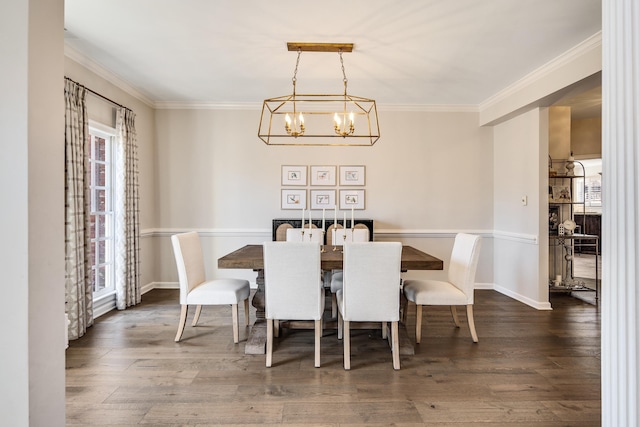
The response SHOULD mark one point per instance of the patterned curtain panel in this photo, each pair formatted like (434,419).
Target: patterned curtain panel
(127,216)
(79,289)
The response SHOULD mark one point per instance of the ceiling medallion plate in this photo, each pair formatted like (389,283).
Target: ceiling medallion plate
(319,47)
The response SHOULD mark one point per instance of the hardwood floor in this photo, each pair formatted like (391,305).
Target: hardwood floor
(530,368)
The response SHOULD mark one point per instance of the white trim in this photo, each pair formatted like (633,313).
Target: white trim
(207,232)
(106,74)
(591,43)
(180,105)
(485,286)
(525,300)
(104,304)
(517,237)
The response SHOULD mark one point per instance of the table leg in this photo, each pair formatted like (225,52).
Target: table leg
(257,339)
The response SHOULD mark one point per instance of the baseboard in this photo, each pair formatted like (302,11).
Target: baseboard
(486,286)
(159,285)
(538,305)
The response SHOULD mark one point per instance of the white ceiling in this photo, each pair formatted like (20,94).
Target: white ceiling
(407,52)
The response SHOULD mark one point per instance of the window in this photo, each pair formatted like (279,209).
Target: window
(592,195)
(101,170)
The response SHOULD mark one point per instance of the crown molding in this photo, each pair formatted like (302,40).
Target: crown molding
(180,105)
(102,72)
(588,45)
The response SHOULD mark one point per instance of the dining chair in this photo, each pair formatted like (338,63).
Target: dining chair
(293,288)
(457,290)
(196,290)
(339,237)
(370,291)
(302,235)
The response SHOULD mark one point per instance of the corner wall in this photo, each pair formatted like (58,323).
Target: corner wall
(520,148)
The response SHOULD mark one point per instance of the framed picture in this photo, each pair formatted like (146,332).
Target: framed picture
(554,220)
(294,175)
(561,194)
(323,175)
(351,175)
(351,199)
(323,199)
(294,199)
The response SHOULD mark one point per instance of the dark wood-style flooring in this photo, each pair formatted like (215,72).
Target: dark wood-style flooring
(530,368)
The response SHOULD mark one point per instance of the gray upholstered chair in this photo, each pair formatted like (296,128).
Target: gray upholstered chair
(370,291)
(196,290)
(458,290)
(293,288)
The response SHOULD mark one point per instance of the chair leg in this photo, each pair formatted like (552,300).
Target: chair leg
(276,328)
(384,330)
(318,328)
(246,312)
(454,314)
(269,341)
(395,346)
(347,346)
(418,323)
(340,326)
(234,316)
(334,306)
(182,322)
(472,325)
(196,316)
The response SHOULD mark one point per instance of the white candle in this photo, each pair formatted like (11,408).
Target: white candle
(322,219)
(335,216)
(353,224)
(302,223)
(309,222)
(344,221)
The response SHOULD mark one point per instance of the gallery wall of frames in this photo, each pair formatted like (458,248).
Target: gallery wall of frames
(319,187)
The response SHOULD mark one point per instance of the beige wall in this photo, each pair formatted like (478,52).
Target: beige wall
(520,242)
(429,176)
(586,138)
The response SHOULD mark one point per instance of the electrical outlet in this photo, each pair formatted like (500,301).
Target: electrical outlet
(524,200)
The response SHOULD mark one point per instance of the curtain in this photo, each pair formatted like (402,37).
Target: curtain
(127,224)
(78,285)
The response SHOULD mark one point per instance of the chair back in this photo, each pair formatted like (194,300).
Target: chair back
(190,262)
(302,235)
(341,235)
(464,263)
(293,285)
(371,281)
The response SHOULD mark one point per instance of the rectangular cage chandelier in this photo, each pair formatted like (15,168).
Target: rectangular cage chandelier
(323,119)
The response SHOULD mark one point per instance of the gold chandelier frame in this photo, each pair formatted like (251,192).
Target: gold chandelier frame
(319,119)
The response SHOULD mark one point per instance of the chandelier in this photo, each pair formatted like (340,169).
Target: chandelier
(325,119)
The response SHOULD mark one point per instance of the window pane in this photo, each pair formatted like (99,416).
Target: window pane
(101,201)
(100,172)
(101,281)
(92,226)
(101,148)
(102,245)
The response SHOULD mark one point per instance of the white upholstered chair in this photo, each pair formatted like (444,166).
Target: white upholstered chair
(371,291)
(293,288)
(196,290)
(458,290)
(339,237)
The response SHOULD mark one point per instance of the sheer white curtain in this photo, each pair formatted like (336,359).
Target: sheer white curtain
(127,224)
(78,286)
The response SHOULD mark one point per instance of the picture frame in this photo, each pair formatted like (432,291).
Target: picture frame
(554,220)
(352,175)
(294,175)
(323,175)
(561,194)
(323,199)
(352,199)
(293,199)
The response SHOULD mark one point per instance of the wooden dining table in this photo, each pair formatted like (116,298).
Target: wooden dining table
(251,257)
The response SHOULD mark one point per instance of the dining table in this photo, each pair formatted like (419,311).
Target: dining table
(251,257)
